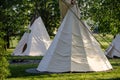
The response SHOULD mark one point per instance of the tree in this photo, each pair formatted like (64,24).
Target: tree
(4,72)
(104,12)
(17,14)
(14,16)
(49,11)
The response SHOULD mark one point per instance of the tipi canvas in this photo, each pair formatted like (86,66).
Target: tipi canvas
(114,49)
(35,42)
(73,49)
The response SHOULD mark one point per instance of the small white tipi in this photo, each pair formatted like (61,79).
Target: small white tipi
(74,49)
(35,42)
(114,49)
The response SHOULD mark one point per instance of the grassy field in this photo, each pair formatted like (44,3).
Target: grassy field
(104,40)
(18,73)
(18,70)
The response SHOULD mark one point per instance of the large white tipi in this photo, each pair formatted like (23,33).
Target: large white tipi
(34,42)
(74,49)
(114,49)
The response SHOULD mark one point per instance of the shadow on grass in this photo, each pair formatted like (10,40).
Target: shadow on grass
(110,79)
(19,71)
(115,61)
(116,64)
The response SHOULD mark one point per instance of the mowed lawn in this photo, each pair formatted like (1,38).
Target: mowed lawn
(18,71)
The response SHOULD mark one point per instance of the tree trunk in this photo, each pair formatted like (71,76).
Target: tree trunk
(6,39)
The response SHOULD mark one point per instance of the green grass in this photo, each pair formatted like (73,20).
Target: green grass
(10,51)
(105,41)
(18,73)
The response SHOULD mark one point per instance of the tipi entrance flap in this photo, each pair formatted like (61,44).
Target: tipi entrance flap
(19,48)
(24,48)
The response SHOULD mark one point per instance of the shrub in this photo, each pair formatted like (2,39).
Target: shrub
(4,72)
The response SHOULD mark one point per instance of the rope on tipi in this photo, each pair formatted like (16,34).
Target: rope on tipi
(87,27)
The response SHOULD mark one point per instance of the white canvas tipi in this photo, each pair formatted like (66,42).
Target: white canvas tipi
(74,49)
(35,42)
(114,49)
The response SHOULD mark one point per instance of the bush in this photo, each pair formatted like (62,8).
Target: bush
(4,72)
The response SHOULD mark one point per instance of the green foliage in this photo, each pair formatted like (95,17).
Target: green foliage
(49,11)
(4,72)
(15,15)
(104,12)
(104,40)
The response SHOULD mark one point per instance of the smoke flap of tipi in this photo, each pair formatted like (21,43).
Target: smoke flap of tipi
(74,49)
(35,40)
